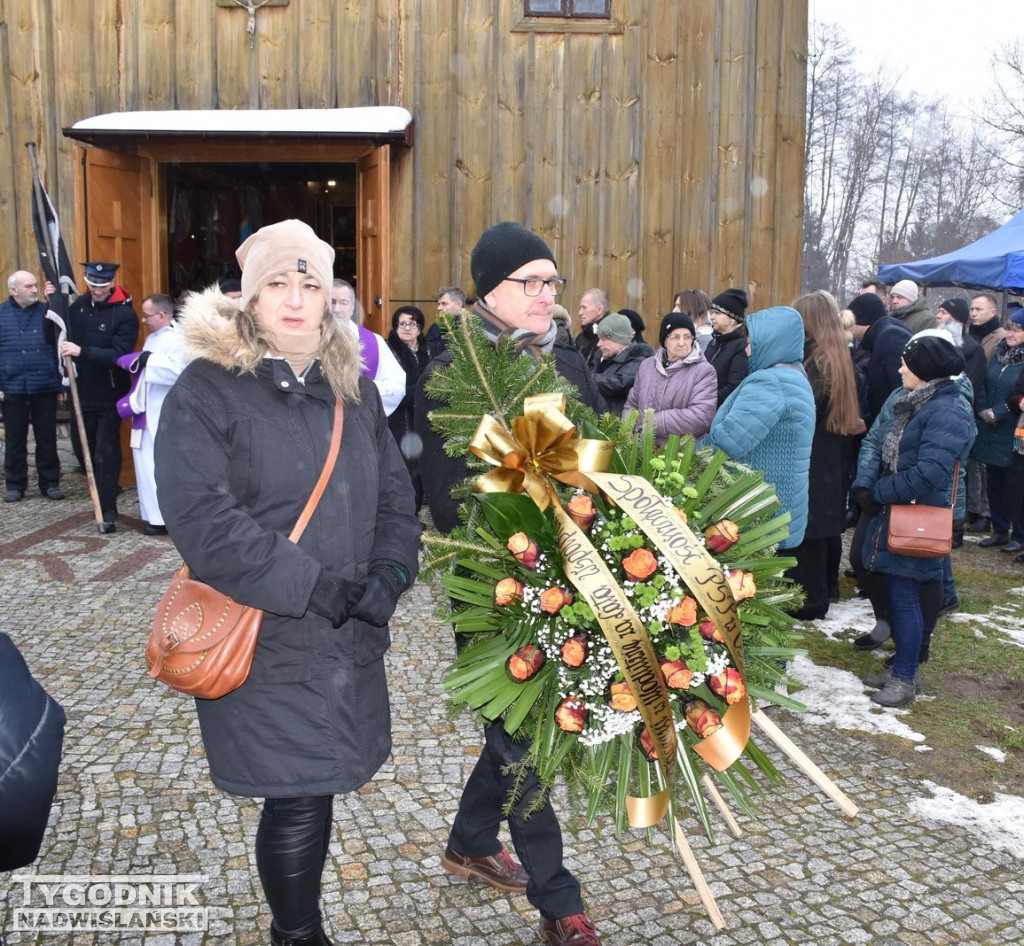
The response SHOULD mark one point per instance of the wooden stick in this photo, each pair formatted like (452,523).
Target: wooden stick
(804,763)
(703,890)
(76,410)
(716,795)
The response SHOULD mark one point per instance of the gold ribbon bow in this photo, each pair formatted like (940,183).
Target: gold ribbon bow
(543,444)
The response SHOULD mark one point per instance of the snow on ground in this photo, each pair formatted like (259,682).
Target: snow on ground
(999,823)
(1002,620)
(838,698)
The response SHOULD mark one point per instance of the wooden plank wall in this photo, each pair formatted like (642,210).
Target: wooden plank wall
(658,152)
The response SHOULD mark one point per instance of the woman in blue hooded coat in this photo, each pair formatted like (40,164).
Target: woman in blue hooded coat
(768,421)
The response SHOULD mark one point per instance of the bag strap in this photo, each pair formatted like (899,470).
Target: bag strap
(956,481)
(325,474)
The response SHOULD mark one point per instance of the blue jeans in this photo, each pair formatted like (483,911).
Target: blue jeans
(907,625)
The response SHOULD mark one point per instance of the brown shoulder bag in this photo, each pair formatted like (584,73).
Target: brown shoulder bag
(202,641)
(923,531)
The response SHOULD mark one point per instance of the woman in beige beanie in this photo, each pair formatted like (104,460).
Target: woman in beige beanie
(243,437)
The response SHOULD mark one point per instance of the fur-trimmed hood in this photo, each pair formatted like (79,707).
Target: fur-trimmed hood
(209,322)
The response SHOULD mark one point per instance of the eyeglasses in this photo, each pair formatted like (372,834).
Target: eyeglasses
(408,324)
(533,287)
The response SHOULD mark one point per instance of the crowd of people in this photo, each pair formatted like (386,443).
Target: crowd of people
(232,402)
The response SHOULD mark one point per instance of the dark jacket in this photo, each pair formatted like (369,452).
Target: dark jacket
(768,421)
(31,735)
(884,343)
(975,364)
(727,354)
(239,454)
(412,363)
(28,350)
(994,444)
(586,345)
(441,472)
(831,458)
(105,331)
(989,334)
(933,441)
(615,376)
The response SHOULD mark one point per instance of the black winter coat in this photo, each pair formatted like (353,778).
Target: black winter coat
(831,465)
(31,736)
(615,376)
(728,356)
(105,332)
(237,456)
(884,343)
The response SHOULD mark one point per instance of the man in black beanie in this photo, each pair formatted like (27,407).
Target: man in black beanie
(880,343)
(517,282)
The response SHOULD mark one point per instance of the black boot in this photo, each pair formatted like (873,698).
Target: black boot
(319,938)
(877,636)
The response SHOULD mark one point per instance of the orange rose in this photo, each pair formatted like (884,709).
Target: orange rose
(682,515)
(524,549)
(581,510)
(722,535)
(742,584)
(702,719)
(570,715)
(709,631)
(507,590)
(575,650)
(525,662)
(647,746)
(552,600)
(622,700)
(640,564)
(677,674)
(684,613)
(728,685)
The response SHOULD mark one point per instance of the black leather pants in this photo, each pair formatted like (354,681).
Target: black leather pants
(291,848)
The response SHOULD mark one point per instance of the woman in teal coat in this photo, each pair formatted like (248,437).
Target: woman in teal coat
(768,421)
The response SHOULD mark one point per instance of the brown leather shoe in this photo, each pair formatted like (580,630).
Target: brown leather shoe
(575,930)
(498,870)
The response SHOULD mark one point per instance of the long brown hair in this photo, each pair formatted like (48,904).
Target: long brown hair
(830,355)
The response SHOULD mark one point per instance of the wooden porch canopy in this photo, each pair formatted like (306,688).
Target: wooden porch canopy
(385,124)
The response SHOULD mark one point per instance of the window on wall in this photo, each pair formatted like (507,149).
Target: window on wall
(580,9)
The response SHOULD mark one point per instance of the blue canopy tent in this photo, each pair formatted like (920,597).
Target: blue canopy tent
(996,261)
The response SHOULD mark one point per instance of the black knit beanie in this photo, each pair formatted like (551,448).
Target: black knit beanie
(867,308)
(931,357)
(671,322)
(958,308)
(502,250)
(732,302)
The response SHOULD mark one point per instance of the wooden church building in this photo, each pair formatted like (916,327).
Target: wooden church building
(657,145)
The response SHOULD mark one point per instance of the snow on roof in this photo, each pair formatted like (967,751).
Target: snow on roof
(379,121)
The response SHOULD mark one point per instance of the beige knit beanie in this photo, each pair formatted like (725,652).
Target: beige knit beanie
(286,247)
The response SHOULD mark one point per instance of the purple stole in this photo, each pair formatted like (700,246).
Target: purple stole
(130,364)
(371,356)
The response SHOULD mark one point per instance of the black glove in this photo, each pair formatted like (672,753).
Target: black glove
(377,601)
(867,505)
(142,359)
(332,596)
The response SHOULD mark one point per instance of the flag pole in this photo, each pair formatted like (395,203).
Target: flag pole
(43,234)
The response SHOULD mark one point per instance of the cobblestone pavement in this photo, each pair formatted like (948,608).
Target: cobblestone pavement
(134,796)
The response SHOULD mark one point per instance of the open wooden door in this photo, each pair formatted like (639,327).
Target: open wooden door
(373,260)
(113,197)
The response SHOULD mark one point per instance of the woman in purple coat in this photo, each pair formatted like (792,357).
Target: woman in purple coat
(676,382)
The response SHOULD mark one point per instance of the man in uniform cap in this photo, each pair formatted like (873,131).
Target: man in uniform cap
(102,326)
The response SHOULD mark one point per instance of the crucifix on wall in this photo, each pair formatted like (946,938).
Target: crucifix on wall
(251,6)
